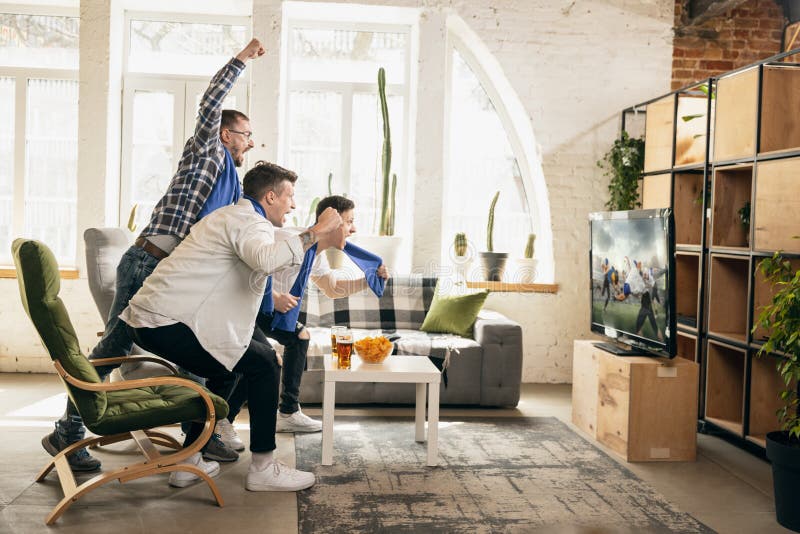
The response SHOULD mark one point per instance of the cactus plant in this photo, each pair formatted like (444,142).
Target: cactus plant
(460,244)
(132,218)
(387,197)
(490,224)
(529,246)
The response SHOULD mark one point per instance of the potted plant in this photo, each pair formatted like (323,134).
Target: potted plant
(744,218)
(386,244)
(782,317)
(623,164)
(462,255)
(526,266)
(494,263)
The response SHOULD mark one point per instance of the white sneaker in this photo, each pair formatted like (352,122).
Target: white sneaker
(228,435)
(277,476)
(297,422)
(181,479)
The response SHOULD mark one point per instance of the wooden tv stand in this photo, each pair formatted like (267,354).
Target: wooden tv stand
(642,408)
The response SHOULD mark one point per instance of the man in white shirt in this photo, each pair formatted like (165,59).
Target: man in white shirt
(295,343)
(198,309)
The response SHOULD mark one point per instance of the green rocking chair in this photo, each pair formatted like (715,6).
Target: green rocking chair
(114,411)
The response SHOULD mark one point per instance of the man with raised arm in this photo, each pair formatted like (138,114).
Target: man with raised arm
(206,179)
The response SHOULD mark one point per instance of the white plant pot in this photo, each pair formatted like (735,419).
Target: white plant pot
(524,272)
(385,246)
(336,258)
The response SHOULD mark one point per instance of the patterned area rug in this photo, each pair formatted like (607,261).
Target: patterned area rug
(495,475)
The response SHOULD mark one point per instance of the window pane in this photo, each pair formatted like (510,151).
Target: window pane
(152,160)
(182,47)
(366,179)
(481,162)
(315,126)
(51,155)
(38,41)
(6,166)
(347,56)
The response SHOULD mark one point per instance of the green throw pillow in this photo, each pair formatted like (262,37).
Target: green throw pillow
(453,313)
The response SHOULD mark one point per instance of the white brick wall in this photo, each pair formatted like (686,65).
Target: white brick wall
(574,65)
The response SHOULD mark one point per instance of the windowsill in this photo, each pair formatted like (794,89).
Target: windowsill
(507,287)
(66,274)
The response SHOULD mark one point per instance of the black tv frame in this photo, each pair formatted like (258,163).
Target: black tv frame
(638,345)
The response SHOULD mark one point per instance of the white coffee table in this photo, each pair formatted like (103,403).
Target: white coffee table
(417,370)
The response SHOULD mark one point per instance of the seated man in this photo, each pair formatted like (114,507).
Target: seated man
(295,342)
(198,309)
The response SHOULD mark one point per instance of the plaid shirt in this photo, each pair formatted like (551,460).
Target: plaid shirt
(200,165)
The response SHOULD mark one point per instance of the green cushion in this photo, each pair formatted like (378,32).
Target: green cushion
(150,407)
(453,313)
(39,283)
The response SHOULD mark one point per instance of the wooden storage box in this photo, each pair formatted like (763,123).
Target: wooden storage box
(688,208)
(658,135)
(656,191)
(736,112)
(776,205)
(728,287)
(725,386)
(735,118)
(644,409)
(732,189)
(687,283)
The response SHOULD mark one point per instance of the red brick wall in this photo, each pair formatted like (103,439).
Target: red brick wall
(746,34)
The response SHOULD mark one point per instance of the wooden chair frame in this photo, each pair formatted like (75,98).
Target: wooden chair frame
(146,439)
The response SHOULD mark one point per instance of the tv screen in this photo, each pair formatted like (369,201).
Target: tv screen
(632,262)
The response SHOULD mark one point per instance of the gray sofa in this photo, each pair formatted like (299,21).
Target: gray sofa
(484,371)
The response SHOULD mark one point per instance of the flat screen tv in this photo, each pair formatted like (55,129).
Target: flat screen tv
(632,263)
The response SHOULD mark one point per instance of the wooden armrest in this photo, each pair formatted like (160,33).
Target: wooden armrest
(208,427)
(134,358)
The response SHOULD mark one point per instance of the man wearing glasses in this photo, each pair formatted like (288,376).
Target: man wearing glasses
(206,180)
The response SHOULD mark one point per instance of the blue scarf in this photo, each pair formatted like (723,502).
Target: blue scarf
(226,190)
(267,305)
(366,261)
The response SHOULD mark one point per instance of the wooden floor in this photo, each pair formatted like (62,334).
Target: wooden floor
(728,489)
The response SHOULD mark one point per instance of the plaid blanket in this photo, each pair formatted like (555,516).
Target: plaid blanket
(404,303)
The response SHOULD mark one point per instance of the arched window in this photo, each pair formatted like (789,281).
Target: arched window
(487,152)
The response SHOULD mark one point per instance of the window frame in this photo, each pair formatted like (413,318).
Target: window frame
(183,86)
(22,76)
(347,90)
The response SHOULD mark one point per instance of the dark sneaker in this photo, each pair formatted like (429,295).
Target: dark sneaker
(80,460)
(216,450)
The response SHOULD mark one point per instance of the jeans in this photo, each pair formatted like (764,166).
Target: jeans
(258,366)
(134,267)
(294,361)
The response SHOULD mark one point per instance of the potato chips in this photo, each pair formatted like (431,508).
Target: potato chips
(373,349)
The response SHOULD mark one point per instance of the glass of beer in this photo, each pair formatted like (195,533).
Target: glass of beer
(335,329)
(344,347)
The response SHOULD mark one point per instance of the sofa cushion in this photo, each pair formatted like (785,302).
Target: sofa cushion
(453,312)
(404,303)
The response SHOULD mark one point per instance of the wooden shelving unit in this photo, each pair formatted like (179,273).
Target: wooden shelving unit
(725,386)
(732,190)
(716,152)
(727,297)
(687,284)
(687,346)
(765,386)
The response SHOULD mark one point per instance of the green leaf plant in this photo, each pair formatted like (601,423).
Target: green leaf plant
(623,164)
(782,317)
(490,224)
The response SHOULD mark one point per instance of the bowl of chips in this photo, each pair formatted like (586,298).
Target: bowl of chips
(373,349)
